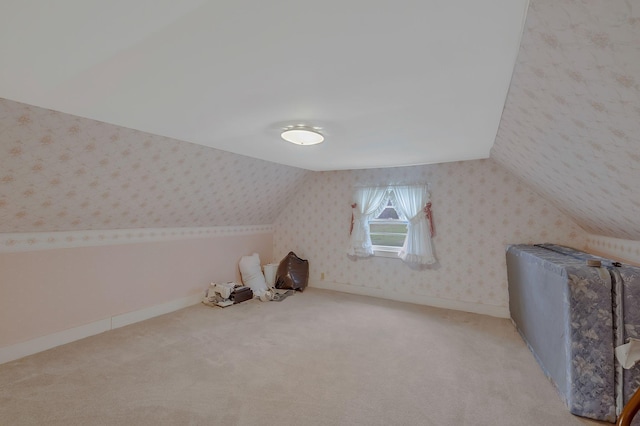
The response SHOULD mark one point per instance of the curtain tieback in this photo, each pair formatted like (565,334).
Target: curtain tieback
(429,214)
(353,206)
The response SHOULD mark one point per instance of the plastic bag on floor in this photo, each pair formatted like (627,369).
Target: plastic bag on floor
(293,273)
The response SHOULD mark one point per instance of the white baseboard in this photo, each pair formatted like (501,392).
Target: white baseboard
(476,308)
(154,311)
(39,344)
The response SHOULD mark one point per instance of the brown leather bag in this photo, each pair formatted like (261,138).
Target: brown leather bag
(292,273)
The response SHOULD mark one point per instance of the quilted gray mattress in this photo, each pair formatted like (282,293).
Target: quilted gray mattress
(572,316)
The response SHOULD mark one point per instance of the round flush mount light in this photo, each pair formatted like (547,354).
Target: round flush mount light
(302,135)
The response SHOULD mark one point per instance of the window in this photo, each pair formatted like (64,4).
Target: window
(388,232)
(378,226)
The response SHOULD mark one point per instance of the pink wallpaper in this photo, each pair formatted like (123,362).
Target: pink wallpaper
(478,208)
(48,291)
(59,172)
(571,123)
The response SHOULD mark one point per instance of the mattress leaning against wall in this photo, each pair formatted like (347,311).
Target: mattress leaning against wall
(563,311)
(625,307)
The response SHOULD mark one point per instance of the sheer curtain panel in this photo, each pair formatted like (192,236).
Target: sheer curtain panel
(411,202)
(367,203)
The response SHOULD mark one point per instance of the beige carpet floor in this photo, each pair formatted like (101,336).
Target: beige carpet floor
(316,358)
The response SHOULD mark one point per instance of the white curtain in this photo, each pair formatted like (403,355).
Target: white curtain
(369,203)
(410,202)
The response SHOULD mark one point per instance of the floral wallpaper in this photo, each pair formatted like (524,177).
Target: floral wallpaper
(59,172)
(478,208)
(571,123)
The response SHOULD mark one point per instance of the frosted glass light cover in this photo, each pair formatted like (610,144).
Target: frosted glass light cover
(302,136)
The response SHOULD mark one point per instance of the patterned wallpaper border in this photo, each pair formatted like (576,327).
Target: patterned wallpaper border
(627,251)
(33,241)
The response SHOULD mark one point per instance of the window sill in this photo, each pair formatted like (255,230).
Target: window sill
(386,252)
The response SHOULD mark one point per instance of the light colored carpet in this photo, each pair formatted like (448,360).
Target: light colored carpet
(316,358)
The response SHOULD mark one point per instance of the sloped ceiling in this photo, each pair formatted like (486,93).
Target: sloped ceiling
(571,123)
(59,172)
(570,126)
(390,83)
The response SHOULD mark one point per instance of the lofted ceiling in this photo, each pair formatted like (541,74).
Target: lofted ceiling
(571,123)
(390,83)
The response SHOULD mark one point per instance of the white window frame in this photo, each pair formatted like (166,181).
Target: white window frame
(387,251)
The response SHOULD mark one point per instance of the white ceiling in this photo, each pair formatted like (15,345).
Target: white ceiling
(391,83)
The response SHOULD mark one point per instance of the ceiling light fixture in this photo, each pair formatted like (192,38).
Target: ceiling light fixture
(302,135)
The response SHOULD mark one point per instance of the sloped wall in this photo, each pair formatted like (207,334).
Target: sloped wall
(98,220)
(60,172)
(478,208)
(571,123)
